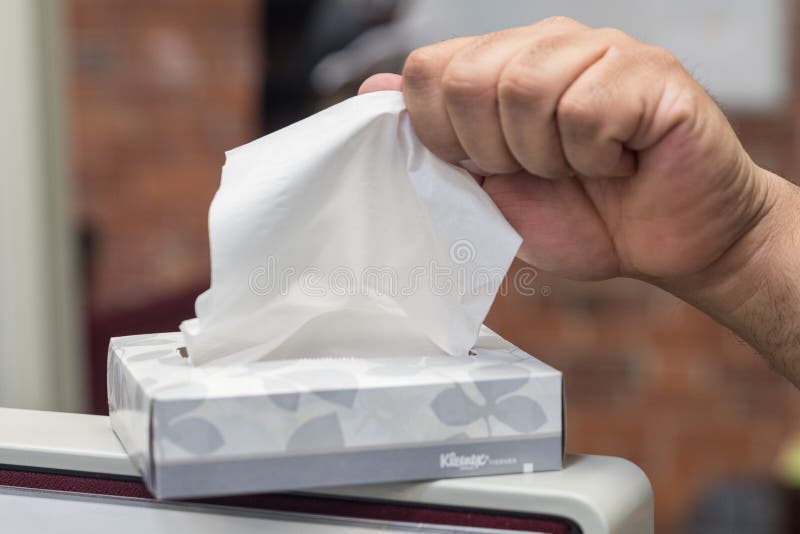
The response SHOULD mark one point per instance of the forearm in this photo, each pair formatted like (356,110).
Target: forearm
(754,288)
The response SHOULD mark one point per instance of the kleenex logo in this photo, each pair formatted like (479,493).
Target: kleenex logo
(463,463)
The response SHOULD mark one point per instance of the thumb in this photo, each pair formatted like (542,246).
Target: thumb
(381,82)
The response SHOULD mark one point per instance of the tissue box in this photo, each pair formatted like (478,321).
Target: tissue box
(290,424)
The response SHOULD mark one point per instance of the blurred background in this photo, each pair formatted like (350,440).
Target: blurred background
(114,119)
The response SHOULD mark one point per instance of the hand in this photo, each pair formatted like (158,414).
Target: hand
(604,154)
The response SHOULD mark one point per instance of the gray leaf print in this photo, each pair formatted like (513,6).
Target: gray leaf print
(461,436)
(322,432)
(149,355)
(454,408)
(520,354)
(172,410)
(342,397)
(195,435)
(287,401)
(494,389)
(520,413)
(499,379)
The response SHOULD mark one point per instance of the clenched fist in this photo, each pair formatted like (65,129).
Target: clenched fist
(610,160)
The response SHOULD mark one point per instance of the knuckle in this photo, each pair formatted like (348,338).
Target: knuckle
(578,115)
(462,81)
(665,57)
(557,20)
(484,42)
(614,35)
(655,58)
(521,85)
(543,45)
(420,65)
(520,80)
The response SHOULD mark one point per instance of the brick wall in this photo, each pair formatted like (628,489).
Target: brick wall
(651,379)
(161,89)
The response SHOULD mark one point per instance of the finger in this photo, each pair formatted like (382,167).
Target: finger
(606,113)
(381,82)
(530,88)
(470,83)
(422,90)
(469,87)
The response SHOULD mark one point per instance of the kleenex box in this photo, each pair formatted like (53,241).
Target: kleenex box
(291,424)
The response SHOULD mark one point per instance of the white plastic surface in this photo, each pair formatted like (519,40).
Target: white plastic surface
(603,495)
(60,513)
(55,440)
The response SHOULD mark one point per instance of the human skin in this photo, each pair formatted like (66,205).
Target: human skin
(610,160)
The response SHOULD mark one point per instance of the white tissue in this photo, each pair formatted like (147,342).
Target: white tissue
(343,236)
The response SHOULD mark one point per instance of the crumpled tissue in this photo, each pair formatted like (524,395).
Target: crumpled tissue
(343,236)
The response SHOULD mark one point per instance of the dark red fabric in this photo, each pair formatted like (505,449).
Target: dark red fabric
(79,484)
(392,512)
(294,503)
